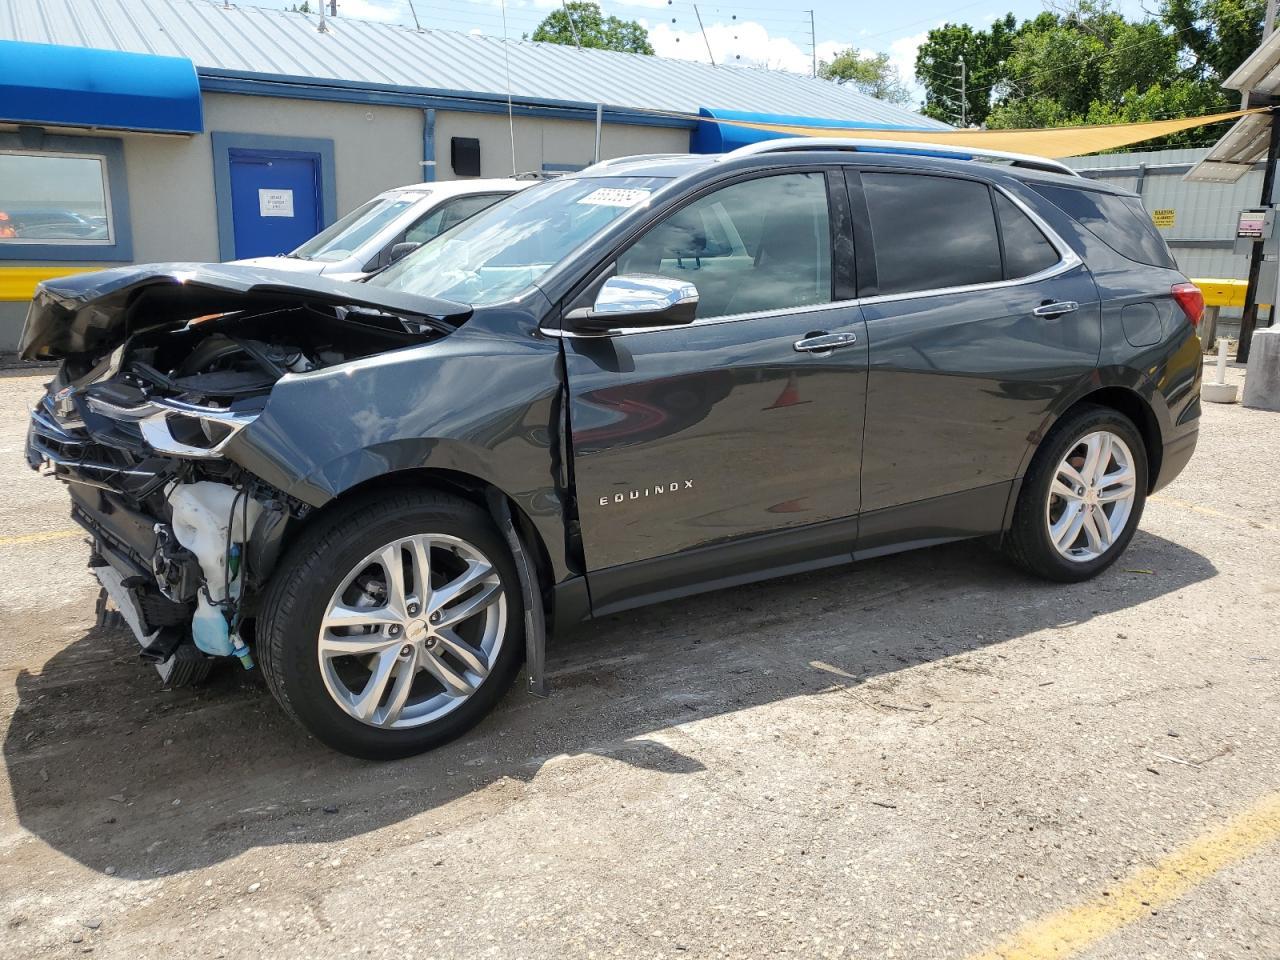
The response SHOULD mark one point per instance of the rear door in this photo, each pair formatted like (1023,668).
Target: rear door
(976,322)
(713,451)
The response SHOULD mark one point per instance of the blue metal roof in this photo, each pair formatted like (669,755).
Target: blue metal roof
(723,137)
(230,40)
(80,87)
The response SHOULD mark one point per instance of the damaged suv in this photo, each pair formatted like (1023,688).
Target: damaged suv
(654,377)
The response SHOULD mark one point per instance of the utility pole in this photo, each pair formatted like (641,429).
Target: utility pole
(1268,25)
(964,100)
(813,42)
(333,7)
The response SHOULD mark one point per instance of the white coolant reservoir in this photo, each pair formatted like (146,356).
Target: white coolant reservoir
(206,516)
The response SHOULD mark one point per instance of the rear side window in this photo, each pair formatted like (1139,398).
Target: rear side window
(931,232)
(1026,250)
(1119,222)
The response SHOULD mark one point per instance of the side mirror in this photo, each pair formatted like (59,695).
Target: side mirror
(402,250)
(638,300)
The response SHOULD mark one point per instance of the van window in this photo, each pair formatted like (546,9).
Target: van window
(449,214)
(1118,221)
(1026,250)
(931,232)
(758,245)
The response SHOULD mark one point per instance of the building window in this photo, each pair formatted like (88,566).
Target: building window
(54,197)
(63,198)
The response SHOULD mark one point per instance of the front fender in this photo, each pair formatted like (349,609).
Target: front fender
(480,402)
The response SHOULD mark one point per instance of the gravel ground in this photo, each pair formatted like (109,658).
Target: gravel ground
(912,757)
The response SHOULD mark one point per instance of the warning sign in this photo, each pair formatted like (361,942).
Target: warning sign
(1163,218)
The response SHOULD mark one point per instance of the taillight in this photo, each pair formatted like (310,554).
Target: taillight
(1191,300)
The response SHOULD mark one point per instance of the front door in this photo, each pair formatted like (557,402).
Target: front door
(275,200)
(968,353)
(712,451)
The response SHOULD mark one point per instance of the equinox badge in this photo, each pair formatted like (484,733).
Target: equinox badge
(658,490)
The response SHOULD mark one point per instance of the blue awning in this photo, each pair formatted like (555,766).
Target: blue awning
(78,87)
(712,137)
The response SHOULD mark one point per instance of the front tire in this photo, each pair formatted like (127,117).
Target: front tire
(394,625)
(1082,497)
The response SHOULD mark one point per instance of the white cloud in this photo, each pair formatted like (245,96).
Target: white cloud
(902,54)
(746,44)
(383,12)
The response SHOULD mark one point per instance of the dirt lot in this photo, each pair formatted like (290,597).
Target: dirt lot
(924,756)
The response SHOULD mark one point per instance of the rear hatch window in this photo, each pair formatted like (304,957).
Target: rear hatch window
(1119,222)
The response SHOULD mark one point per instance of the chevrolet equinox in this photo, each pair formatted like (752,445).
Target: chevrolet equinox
(657,376)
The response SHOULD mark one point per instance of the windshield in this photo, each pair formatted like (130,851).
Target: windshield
(343,238)
(501,251)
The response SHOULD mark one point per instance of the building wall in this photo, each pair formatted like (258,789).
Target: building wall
(541,141)
(172,204)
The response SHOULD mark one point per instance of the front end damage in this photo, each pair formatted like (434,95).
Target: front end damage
(161,369)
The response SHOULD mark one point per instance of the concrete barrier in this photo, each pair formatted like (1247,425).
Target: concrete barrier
(1262,377)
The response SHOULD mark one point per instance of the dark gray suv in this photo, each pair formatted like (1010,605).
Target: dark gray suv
(655,377)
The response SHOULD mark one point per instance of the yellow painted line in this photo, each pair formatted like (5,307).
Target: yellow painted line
(1210,512)
(1074,929)
(19,283)
(41,537)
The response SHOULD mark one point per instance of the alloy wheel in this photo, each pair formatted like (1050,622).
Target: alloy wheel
(412,631)
(1091,496)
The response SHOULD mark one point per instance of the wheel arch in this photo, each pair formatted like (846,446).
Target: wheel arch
(467,486)
(1133,406)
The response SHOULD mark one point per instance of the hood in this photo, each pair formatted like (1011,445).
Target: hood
(90,313)
(286,264)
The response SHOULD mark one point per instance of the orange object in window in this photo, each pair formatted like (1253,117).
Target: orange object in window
(6,228)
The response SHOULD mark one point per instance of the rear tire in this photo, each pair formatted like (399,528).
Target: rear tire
(379,667)
(1082,497)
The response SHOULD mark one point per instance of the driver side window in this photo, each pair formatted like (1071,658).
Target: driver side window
(757,245)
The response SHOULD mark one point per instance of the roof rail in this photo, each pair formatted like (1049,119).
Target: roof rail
(866,145)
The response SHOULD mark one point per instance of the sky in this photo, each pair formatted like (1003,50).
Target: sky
(766,33)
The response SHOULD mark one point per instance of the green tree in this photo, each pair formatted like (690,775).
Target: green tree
(1091,65)
(872,74)
(303,7)
(983,52)
(582,23)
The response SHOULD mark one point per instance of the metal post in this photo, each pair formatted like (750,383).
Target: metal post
(333,7)
(964,99)
(1249,315)
(813,42)
(1268,25)
(599,123)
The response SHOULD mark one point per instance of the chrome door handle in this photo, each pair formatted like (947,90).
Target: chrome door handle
(1056,309)
(822,342)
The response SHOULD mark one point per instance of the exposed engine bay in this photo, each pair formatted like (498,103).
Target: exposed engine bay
(137,422)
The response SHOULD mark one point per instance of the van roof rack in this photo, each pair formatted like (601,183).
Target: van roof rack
(866,145)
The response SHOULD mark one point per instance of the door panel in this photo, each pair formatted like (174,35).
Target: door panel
(275,201)
(689,441)
(688,437)
(960,381)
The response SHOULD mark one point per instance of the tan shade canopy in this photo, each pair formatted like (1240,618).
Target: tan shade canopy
(1055,142)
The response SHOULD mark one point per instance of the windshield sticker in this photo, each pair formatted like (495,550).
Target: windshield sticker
(615,197)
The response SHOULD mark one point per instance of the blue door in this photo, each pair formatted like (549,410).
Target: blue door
(275,200)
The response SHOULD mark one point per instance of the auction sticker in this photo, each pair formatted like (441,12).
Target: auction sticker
(615,197)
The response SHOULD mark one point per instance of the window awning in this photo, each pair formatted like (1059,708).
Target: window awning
(42,83)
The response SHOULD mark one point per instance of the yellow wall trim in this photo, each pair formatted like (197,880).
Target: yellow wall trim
(19,283)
